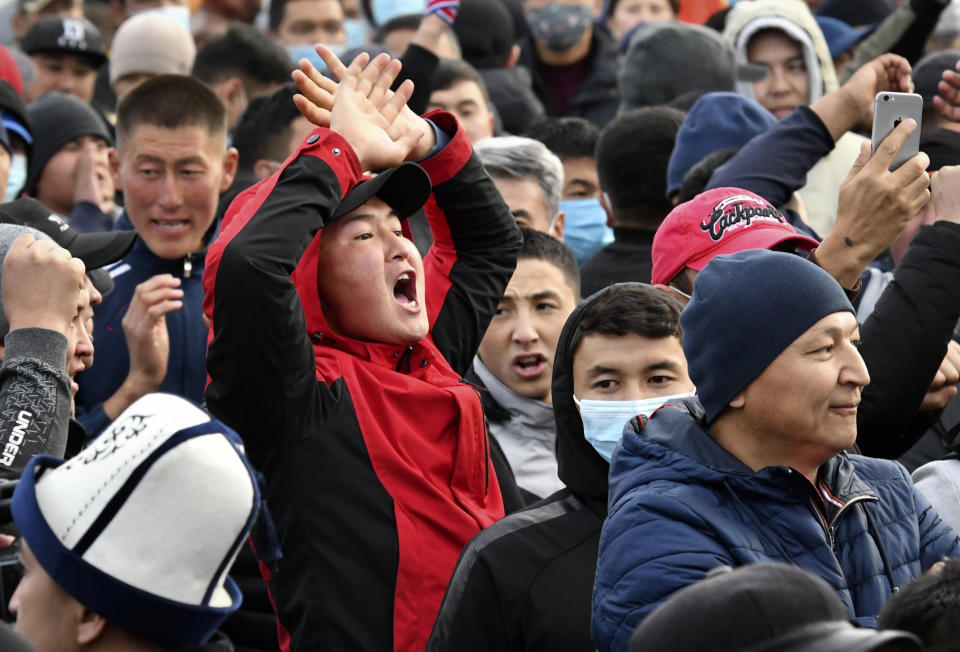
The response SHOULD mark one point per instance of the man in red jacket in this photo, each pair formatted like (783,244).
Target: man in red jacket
(338,354)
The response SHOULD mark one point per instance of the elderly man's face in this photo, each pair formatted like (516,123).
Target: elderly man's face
(525,200)
(803,407)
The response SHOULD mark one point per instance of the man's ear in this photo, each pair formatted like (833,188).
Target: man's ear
(263,168)
(113,157)
(229,168)
(605,203)
(90,625)
(556,230)
(513,58)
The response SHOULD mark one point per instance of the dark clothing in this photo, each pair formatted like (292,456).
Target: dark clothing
(252,627)
(375,456)
(627,258)
(525,582)
(511,91)
(905,337)
(863,528)
(419,65)
(186,373)
(10,641)
(34,398)
(597,97)
(911,44)
(219,643)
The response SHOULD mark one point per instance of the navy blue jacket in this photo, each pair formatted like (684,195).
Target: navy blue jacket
(681,505)
(186,371)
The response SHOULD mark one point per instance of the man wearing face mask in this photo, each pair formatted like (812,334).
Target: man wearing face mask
(299,24)
(573,62)
(13,116)
(619,354)
(574,141)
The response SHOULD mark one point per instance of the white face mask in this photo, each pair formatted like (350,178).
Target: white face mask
(603,421)
(17,178)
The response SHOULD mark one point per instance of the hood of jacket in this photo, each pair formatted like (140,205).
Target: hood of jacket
(580,467)
(673,445)
(794,18)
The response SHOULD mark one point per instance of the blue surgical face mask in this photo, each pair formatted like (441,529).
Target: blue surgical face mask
(384,10)
(17,178)
(357,32)
(585,229)
(306,51)
(180,13)
(603,421)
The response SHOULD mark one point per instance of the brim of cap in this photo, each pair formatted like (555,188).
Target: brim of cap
(101,281)
(840,637)
(99,249)
(404,188)
(754,238)
(97,59)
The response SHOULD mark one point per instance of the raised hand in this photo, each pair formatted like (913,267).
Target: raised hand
(43,285)
(317,93)
(947,101)
(889,72)
(875,206)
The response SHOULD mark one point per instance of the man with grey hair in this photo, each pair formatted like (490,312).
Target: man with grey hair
(530,179)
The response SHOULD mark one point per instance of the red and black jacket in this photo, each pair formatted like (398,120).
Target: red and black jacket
(375,455)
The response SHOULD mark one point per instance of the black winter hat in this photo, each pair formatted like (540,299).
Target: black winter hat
(486,33)
(58,119)
(760,608)
(71,35)
(942,146)
(856,12)
(928,71)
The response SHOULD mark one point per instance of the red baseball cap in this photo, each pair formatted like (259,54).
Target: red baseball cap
(719,221)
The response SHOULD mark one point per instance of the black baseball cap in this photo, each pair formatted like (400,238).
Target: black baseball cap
(404,188)
(94,249)
(71,35)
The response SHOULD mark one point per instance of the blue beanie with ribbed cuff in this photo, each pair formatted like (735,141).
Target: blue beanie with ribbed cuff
(746,309)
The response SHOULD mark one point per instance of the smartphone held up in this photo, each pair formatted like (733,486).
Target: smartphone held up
(889,110)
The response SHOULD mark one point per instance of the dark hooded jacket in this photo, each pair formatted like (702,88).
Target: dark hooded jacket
(375,456)
(525,582)
(681,505)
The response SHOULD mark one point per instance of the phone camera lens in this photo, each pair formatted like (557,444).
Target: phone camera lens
(886,98)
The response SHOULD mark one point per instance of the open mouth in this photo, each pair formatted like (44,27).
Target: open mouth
(530,365)
(405,291)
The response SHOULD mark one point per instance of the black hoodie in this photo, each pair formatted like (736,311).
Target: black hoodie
(525,583)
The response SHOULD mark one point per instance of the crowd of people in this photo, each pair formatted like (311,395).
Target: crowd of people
(479,325)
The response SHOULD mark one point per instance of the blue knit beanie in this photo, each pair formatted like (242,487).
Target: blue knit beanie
(746,309)
(716,121)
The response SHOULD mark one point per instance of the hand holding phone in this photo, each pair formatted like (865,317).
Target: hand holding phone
(889,110)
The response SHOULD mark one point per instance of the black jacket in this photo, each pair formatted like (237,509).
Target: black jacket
(525,583)
(511,91)
(626,259)
(597,98)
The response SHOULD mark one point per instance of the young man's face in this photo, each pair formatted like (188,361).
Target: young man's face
(312,21)
(171,181)
(45,612)
(787,84)
(521,341)
(580,179)
(55,187)
(525,200)
(370,278)
(69,73)
(465,101)
(629,368)
(805,402)
(630,13)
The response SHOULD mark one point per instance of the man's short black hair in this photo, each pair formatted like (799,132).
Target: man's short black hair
(263,131)
(566,137)
(630,308)
(632,157)
(450,72)
(541,246)
(171,102)
(243,51)
(697,177)
(928,607)
(406,21)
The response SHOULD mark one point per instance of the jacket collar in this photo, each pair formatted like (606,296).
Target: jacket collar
(536,417)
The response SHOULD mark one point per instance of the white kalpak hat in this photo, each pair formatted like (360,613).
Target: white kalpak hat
(142,526)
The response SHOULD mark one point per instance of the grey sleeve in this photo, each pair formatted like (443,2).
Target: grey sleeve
(34,398)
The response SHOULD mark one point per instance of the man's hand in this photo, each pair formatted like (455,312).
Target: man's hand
(874,206)
(92,180)
(317,93)
(145,327)
(944,385)
(851,106)
(945,193)
(42,285)
(947,100)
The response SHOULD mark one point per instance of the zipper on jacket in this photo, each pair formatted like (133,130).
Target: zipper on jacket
(486,433)
(827,528)
(187,266)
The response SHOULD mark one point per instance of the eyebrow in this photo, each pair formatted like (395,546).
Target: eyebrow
(466,104)
(150,158)
(600,370)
